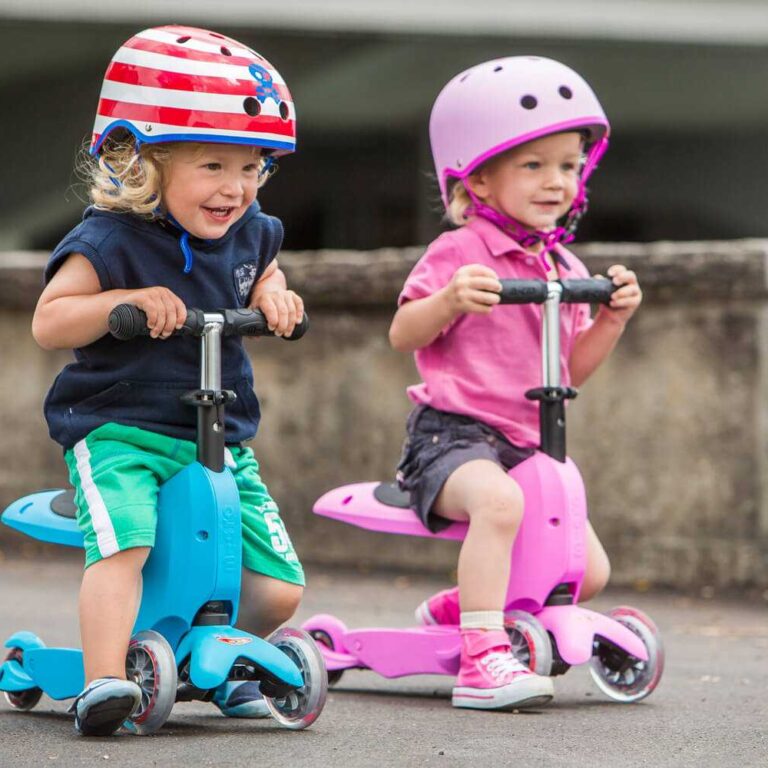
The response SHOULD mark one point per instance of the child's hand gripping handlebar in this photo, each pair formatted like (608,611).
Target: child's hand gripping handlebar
(127,321)
(591,290)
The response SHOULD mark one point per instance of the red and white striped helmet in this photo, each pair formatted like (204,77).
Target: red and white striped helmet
(185,84)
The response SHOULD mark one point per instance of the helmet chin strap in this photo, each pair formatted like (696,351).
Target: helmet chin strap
(526,237)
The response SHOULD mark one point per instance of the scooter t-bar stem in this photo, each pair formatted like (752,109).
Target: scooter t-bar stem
(551,395)
(127,321)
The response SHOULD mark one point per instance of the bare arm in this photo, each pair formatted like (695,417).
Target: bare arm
(73,310)
(594,345)
(283,308)
(473,288)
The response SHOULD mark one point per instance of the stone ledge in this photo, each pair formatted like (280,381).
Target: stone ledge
(728,269)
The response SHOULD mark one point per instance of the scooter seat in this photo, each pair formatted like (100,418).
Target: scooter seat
(47,516)
(64,504)
(378,506)
(390,495)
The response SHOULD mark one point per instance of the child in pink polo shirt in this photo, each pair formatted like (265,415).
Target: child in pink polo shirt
(514,141)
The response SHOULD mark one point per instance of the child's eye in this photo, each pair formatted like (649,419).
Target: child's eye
(532,165)
(212,166)
(251,168)
(569,167)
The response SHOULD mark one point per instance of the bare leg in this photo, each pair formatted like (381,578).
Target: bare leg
(273,601)
(483,493)
(598,567)
(109,600)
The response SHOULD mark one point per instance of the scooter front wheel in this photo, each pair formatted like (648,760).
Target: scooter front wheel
(23,701)
(530,641)
(623,677)
(300,707)
(151,664)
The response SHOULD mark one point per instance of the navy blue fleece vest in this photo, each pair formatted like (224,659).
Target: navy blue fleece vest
(139,382)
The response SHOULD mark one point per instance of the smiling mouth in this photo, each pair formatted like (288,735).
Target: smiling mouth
(219,213)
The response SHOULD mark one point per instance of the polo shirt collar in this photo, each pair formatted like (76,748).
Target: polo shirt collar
(499,243)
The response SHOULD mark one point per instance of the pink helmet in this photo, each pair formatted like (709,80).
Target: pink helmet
(185,84)
(502,103)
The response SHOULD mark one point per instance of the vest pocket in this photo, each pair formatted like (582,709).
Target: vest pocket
(101,399)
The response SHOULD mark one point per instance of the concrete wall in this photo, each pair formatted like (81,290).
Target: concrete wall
(671,434)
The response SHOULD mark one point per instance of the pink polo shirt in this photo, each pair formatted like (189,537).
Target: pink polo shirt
(482,365)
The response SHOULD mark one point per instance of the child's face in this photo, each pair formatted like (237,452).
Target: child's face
(208,187)
(534,183)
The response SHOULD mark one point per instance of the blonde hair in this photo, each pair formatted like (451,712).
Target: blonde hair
(458,202)
(125,180)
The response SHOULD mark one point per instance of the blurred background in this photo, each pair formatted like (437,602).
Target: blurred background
(682,81)
(671,434)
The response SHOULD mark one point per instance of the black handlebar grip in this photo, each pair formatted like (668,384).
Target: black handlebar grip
(592,290)
(251,322)
(127,321)
(523,292)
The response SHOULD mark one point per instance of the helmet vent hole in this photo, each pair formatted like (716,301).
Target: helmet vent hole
(529,102)
(283,110)
(463,77)
(565,92)
(220,37)
(226,51)
(498,69)
(182,40)
(251,106)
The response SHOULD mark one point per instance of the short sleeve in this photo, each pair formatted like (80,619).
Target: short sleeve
(432,272)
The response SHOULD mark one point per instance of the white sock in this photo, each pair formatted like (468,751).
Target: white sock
(489,620)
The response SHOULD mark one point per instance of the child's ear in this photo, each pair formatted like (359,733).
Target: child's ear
(477,183)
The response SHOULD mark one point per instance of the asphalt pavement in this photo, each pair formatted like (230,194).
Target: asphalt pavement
(709,711)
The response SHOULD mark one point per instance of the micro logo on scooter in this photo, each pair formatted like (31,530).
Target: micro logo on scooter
(233,640)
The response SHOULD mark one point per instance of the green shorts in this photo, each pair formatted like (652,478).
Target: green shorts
(117,471)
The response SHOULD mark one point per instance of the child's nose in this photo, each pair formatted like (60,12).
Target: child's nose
(232,186)
(555,179)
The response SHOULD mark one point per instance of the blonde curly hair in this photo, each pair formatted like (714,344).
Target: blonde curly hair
(125,180)
(458,202)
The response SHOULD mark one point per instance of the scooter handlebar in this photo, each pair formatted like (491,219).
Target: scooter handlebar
(591,290)
(127,321)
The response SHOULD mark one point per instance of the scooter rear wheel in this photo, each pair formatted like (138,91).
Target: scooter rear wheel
(302,706)
(530,641)
(621,676)
(328,631)
(23,701)
(151,664)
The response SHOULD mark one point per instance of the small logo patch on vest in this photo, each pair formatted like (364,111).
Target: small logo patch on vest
(245,275)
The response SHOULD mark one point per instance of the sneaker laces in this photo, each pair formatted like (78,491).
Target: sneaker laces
(500,664)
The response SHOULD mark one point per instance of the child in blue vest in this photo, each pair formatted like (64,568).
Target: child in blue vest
(187,129)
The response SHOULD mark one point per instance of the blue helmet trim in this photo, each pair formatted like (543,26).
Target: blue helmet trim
(288,146)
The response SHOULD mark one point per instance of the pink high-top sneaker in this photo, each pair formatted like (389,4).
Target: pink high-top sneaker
(442,608)
(490,677)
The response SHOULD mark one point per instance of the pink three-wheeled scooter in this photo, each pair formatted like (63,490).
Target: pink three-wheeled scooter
(549,631)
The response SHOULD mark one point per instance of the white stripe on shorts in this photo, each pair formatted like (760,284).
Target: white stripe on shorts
(102,523)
